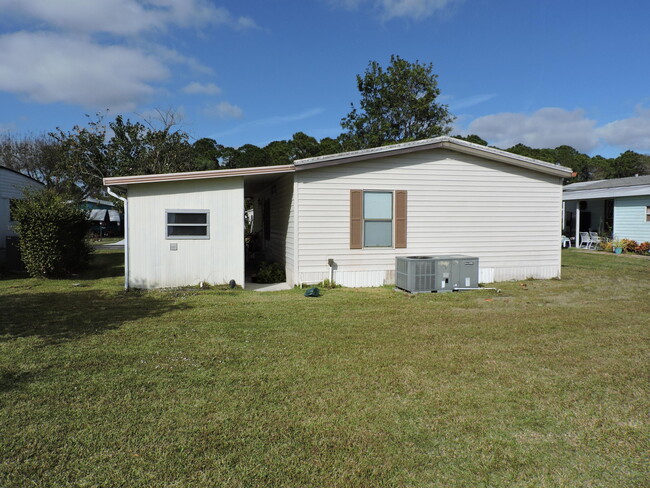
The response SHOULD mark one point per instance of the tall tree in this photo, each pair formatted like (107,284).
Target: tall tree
(397,104)
(279,152)
(39,157)
(89,154)
(626,164)
(473,138)
(581,164)
(304,146)
(248,156)
(206,153)
(330,146)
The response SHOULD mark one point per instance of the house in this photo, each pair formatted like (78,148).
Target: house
(618,207)
(12,184)
(105,218)
(353,212)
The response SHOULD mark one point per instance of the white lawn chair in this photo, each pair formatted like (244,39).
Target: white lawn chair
(585,240)
(566,242)
(595,239)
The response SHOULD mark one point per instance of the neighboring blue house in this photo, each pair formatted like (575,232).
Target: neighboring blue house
(106,219)
(618,207)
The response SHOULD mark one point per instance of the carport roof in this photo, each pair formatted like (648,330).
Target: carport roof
(613,183)
(198,175)
(618,187)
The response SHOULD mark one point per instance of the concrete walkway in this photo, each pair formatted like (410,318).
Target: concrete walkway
(266,286)
(113,245)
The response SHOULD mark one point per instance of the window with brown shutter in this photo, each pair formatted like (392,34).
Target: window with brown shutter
(356,221)
(400,219)
(378,219)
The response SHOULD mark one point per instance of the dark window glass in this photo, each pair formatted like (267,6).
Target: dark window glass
(187,230)
(187,218)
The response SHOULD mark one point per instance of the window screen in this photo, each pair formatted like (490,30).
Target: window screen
(187,224)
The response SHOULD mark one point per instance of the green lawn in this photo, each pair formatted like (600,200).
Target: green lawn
(545,384)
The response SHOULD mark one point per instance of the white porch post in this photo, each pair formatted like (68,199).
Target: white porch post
(577,223)
(563,217)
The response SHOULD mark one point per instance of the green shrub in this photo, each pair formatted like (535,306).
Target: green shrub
(270,273)
(327,284)
(51,234)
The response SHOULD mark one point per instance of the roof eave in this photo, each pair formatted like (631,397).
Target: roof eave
(509,158)
(122,181)
(444,142)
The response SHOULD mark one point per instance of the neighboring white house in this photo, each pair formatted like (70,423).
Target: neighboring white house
(356,210)
(618,207)
(12,184)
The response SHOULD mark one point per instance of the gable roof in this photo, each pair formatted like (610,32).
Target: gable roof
(443,142)
(617,187)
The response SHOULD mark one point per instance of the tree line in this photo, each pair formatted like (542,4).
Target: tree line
(397,104)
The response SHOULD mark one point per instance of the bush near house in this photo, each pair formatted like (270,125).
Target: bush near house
(270,273)
(52,234)
(643,248)
(628,245)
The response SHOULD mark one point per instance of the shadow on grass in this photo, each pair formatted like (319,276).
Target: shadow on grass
(10,380)
(59,316)
(104,264)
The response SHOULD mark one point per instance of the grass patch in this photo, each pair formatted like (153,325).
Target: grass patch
(544,384)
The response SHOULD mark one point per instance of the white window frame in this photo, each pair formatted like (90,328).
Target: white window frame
(391,220)
(187,211)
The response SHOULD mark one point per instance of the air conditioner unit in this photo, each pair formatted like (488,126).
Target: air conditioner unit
(426,274)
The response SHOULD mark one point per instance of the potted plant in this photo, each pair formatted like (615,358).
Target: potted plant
(617,245)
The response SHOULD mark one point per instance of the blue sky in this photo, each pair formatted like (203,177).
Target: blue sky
(543,73)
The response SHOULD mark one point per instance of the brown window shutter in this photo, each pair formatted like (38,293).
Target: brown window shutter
(356,221)
(400,219)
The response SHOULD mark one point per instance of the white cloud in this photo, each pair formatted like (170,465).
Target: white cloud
(391,9)
(124,17)
(196,88)
(96,53)
(47,67)
(277,120)
(167,55)
(414,9)
(548,127)
(631,133)
(225,110)
(469,101)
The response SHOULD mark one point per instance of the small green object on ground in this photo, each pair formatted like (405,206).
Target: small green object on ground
(312,292)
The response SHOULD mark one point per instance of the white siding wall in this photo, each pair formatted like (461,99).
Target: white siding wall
(11,186)
(216,260)
(630,218)
(507,216)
